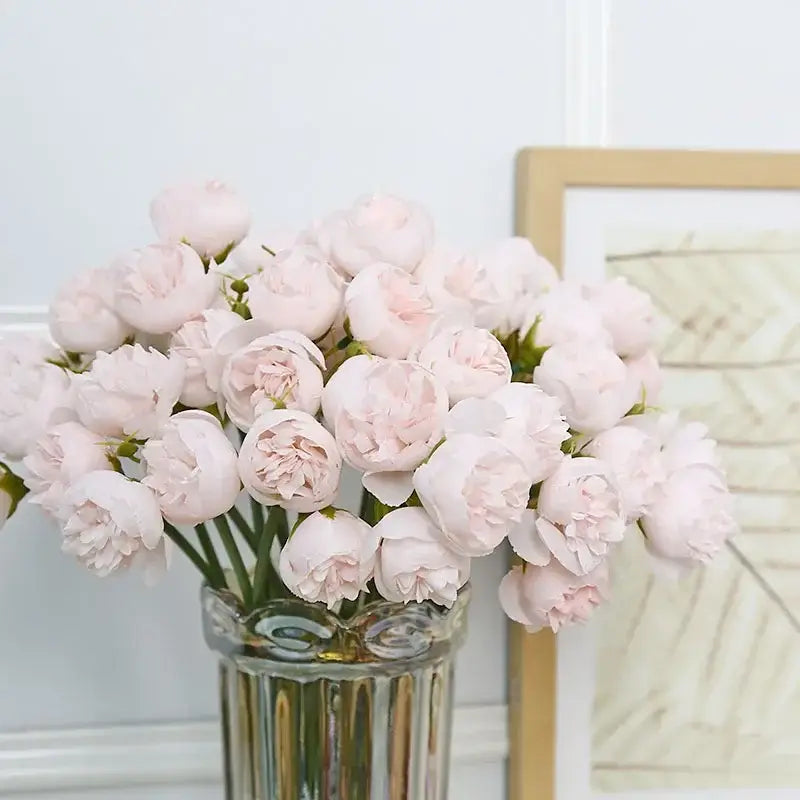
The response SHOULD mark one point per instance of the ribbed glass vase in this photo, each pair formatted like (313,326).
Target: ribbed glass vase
(317,708)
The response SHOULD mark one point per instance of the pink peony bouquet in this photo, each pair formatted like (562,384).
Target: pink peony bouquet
(224,384)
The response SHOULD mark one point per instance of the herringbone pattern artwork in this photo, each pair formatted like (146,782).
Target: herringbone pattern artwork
(698,682)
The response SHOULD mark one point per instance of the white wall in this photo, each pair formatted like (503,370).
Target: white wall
(304,105)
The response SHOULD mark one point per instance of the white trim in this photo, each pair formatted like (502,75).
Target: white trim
(177,754)
(23,318)
(586,40)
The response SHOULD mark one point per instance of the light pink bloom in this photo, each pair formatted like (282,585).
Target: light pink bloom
(195,342)
(690,519)
(61,455)
(551,597)
(192,468)
(526,419)
(33,393)
(161,286)
(580,514)
(329,557)
(82,316)
(378,228)
(475,489)
(590,381)
(347,380)
(521,275)
(389,311)
(635,460)
(297,289)
(249,256)
(627,313)
(280,369)
(388,423)
(210,217)
(130,392)
(644,377)
(470,362)
(462,288)
(289,459)
(562,315)
(110,522)
(413,565)
(685,444)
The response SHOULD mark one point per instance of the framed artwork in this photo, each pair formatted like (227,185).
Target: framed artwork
(687,688)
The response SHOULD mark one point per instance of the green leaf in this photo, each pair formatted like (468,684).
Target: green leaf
(13,486)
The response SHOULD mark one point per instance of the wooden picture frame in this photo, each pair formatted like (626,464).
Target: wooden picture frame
(543,176)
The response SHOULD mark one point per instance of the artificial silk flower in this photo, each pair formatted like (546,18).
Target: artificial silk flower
(161,286)
(413,564)
(210,217)
(551,596)
(329,557)
(289,459)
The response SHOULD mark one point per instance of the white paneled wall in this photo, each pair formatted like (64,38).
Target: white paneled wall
(301,105)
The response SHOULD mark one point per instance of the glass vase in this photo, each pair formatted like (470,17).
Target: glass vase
(317,708)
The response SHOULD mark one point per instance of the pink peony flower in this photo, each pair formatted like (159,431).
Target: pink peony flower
(195,342)
(413,565)
(289,459)
(635,460)
(475,489)
(462,288)
(33,393)
(283,369)
(580,514)
(470,362)
(192,468)
(130,392)
(628,315)
(524,418)
(389,312)
(562,315)
(521,274)
(82,316)
(329,557)
(161,286)
(551,597)
(110,522)
(347,379)
(297,289)
(590,381)
(211,218)
(388,422)
(58,458)
(690,519)
(377,229)
(644,377)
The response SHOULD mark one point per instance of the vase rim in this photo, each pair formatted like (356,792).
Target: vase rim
(288,635)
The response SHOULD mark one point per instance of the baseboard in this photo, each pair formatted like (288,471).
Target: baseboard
(175,754)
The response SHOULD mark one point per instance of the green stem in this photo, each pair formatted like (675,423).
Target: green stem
(239,568)
(263,560)
(248,533)
(183,544)
(367,510)
(283,524)
(211,555)
(257,511)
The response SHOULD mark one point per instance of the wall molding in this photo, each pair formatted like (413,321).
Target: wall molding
(23,318)
(586,72)
(170,754)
